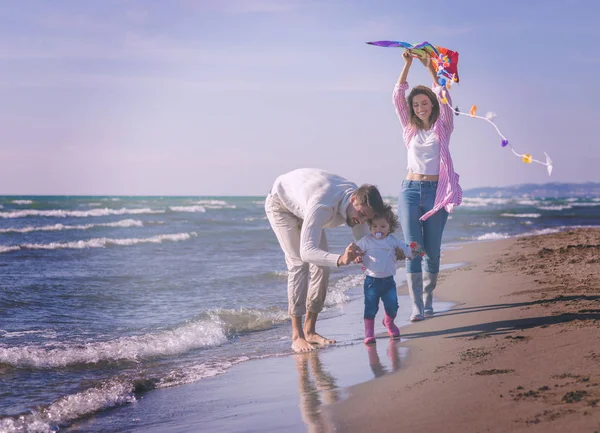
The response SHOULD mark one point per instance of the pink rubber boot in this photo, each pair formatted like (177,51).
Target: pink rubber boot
(369,331)
(392,329)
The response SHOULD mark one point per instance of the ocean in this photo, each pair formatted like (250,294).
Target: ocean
(106,299)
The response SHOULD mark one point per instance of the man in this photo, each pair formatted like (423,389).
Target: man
(300,205)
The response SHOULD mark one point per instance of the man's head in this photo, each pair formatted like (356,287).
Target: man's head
(365,203)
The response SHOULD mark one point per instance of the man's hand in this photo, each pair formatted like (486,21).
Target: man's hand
(352,253)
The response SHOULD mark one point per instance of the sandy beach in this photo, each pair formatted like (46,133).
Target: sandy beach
(519,352)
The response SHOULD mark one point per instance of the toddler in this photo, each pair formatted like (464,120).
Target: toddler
(379,262)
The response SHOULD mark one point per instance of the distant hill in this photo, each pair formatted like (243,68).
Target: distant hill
(556,190)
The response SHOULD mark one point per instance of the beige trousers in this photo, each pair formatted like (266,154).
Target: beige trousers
(302,295)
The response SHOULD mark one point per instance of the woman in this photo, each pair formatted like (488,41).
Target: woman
(431,188)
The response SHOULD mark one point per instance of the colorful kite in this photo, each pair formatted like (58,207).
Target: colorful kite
(445,62)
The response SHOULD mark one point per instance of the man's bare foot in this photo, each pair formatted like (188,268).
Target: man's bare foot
(318,339)
(300,345)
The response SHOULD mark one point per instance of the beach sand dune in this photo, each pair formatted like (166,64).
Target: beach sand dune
(519,352)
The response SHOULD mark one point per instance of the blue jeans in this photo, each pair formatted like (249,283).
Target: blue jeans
(384,289)
(417,198)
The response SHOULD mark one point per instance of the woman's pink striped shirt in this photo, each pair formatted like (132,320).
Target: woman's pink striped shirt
(449,192)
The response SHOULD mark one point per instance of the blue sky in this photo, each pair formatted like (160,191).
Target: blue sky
(219,97)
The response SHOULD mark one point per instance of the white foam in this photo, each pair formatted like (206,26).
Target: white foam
(492,236)
(261,218)
(216,204)
(71,407)
(543,231)
(195,373)
(528,202)
(60,227)
(15,334)
(60,213)
(587,204)
(188,208)
(521,215)
(22,201)
(100,242)
(212,202)
(336,294)
(484,224)
(556,207)
(483,201)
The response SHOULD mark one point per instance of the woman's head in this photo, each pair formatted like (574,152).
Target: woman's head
(423,107)
(384,223)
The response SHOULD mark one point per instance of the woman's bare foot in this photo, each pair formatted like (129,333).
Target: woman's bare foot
(318,339)
(300,345)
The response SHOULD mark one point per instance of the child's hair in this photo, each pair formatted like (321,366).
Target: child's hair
(435,106)
(388,215)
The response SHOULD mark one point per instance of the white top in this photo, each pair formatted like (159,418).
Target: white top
(380,255)
(424,153)
(320,199)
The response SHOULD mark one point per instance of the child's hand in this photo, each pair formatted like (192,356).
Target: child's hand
(407,57)
(400,254)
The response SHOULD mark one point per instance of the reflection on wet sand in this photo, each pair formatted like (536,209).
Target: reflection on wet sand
(317,387)
(315,390)
(375,363)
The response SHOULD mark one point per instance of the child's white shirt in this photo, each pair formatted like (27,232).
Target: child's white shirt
(380,255)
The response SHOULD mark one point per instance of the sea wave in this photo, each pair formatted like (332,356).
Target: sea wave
(188,208)
(195,373)
(337,293)
(527,202)
(193,335)
(60,227)
(209,329)
(61,213)
(484,201)
(244,320)
(99,242)
(215,204)
(22,201)
(556,207)
(587,204)
(521,215)
(109,393)
(71,407)
(492,236)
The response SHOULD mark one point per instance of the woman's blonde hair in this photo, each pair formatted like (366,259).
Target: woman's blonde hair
(435,106)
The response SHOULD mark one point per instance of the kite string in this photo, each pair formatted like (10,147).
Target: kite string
(498,131)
